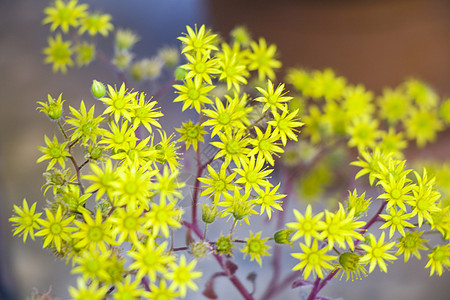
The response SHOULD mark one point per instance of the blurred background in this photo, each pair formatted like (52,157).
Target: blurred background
(376,43)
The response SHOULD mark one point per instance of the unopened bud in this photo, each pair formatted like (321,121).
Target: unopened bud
(98,89)
(180,73)
(283,236)
(209,213)
(200,249)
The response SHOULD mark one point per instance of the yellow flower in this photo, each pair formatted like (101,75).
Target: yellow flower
(85,291)
(59,54)
(313,259)
(150,259)
(161,216)
(223,118)
(119,102)
(132,290)
(285,125)
(396,220)
(85,125)
(95,23)
(104,178)
(233,146)
(128,223)
(146,114)
(307,225)
(217,184)
(253,175)
(56,229)
(438,259)
(377,252)
(256,247)
(201,68)
(26,220)
(64,14)
(262,58)
(265,144)
(269,199)
(192,134)
(193,94)
(92,265)
(94,233)
(202,41)
(182,275)
(273,99)
(409,244)
(54,151)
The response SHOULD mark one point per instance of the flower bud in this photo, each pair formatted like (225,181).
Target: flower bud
(349,261)
(180,73)
(95,152)
(200,249)
(224,245)
(53,108)
(98,89)
(209,213)
(283,236)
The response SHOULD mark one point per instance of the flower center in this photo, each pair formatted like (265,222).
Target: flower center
(162,215)
(130,223)
(55,152)
(313,259)
(233,147)
(119,138)
(224,118)
(88,128)
(119,103)
(192,132)
(396,194)
(200,67)
(193,94)
(377,252)
(95,233)
(254,246)
(219,185)
(307,226)
(264,145)
(422,204)
(56,229)
(131,188)
(252,176)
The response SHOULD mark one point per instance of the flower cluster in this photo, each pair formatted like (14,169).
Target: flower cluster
(117,183)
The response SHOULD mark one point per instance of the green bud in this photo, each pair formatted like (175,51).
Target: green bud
(349,261)
(200,249)
(180,73)
(95,152)
(98,89)
(209,213)
(283,236)
(53,108)
(224,245)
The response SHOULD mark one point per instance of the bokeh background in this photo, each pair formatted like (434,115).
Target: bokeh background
(376,43)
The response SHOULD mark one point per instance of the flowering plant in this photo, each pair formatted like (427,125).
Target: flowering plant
(115,175)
